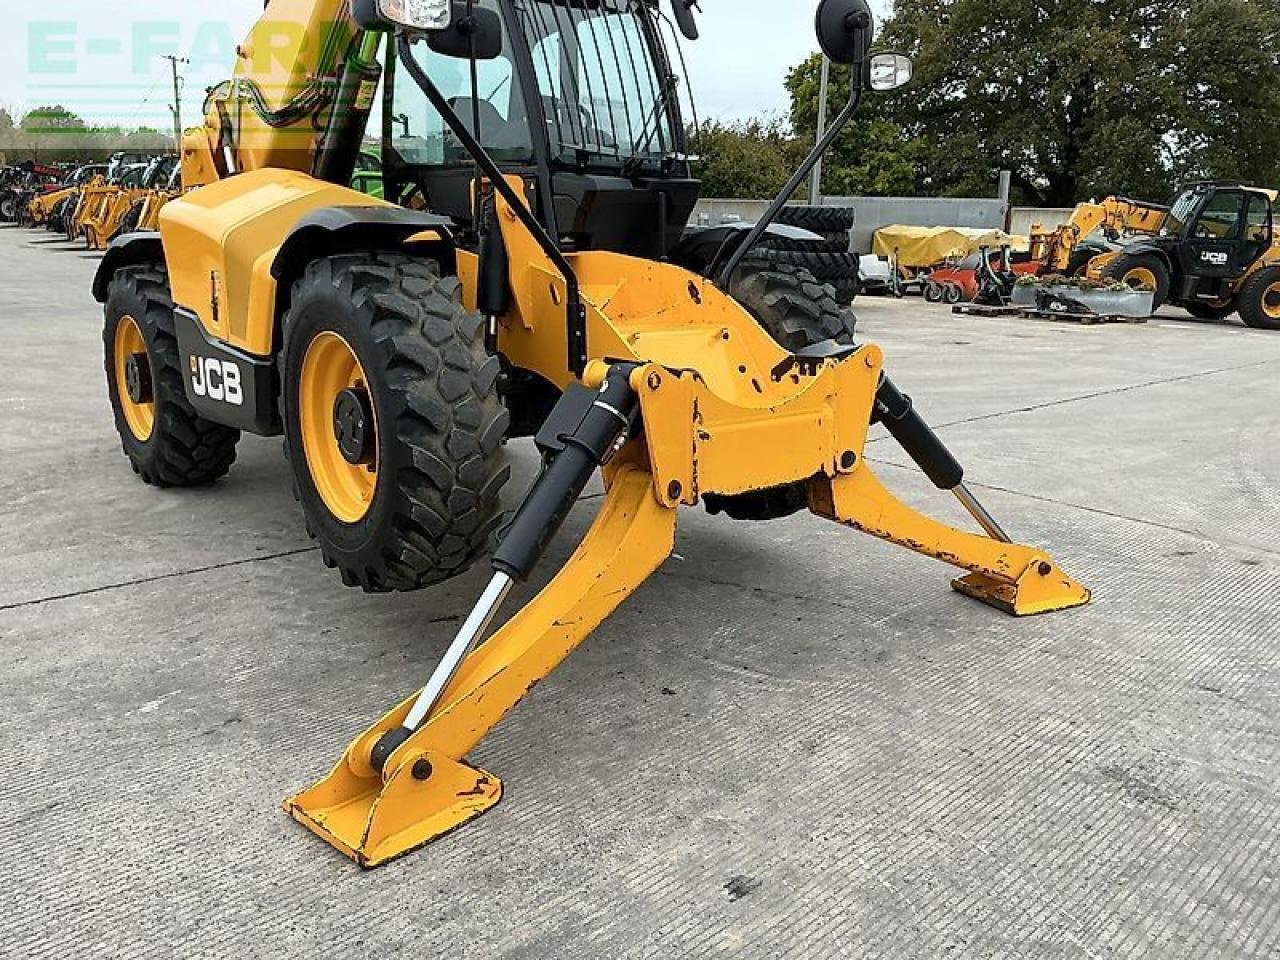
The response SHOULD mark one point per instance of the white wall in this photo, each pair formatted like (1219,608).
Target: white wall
(872,213)
(1022,219)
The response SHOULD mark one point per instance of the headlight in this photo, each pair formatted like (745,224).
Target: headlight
(418,14)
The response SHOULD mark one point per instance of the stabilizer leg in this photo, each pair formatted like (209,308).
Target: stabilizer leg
(403,782)
(424,790)
(1017,579)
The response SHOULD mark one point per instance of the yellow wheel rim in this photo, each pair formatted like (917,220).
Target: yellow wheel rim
(1271,301)
(331,370)
(1140,277)
(133,379)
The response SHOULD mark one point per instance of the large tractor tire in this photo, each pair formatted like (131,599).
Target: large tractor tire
(848,289)
(798,312)
(9,208)
(166,441)
(1140,269)
(393,422)
(833,242)
(818,219)
(1259,299)
(837,270)
(793,306)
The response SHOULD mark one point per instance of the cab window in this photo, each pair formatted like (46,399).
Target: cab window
(418,132)
(1259,219)
(597,79)
(1220,219)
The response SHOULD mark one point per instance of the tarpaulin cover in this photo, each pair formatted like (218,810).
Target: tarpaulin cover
(926,246)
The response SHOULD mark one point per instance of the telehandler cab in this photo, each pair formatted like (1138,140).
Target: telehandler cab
(532,279)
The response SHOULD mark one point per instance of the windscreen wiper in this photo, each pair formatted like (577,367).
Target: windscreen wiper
(655,114)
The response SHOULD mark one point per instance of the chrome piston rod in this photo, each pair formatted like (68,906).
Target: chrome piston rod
(979,513)
(584,430)
(899,416)
(469,637)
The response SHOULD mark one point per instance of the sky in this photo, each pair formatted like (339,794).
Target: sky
(104,58)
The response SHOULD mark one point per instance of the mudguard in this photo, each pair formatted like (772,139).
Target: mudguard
(126,250)
(326,231)
(233,247)
(1137,247)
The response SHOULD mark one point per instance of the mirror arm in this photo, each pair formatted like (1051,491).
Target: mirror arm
(799,177)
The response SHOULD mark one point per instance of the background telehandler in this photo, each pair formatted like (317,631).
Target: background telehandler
(527,275)
(1214,252)
(48,209)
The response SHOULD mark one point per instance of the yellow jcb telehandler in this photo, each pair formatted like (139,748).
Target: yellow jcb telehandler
(1213,252)
(529,274)
(145,214)
(44,206)
(102,215)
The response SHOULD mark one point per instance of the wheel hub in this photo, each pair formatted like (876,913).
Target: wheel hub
(352,419)
(137,378)
(1140,277)
(1271,301)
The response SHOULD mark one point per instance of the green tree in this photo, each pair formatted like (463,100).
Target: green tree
(1079,98)
(1066,94)
(47,119)
(8,136)
(871,157)
(54,134)
(1229,51)
(747,160)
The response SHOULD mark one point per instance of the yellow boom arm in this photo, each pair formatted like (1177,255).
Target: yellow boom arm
(1114,217)
(275,110)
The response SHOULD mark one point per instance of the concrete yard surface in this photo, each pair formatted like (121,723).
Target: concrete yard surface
(794,742)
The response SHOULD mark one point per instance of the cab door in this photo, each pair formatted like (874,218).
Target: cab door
(1258,231)
(1213,241)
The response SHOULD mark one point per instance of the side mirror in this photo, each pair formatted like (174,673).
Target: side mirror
(683,9)
(845,30)
(889,71)
(482,31)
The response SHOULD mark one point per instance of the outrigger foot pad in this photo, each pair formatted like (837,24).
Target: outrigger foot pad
(1042,588)
(375,820)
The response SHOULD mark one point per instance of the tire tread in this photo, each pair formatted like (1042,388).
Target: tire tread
(447,418)
(185,449)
